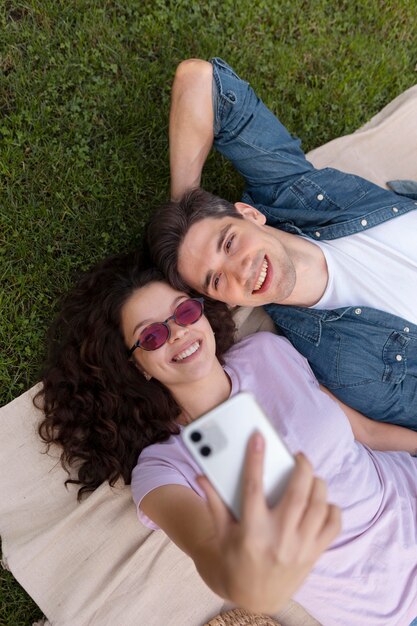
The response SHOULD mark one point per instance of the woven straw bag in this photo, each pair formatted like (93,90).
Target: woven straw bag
(240,617)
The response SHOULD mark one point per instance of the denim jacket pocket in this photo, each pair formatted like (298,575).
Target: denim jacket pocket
(365,354)
(394,356)
(345,349)
(315,334)
(367,358)
(329,189)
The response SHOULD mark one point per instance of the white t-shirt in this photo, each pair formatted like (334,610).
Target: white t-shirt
(375,268)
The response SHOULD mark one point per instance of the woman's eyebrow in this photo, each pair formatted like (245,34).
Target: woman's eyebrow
(150,321)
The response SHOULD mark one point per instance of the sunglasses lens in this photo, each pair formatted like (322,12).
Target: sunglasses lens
(188,312)
(154,336)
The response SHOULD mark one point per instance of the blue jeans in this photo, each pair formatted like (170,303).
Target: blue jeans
(414,622)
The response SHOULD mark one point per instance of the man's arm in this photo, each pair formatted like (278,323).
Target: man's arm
(210,102)
(259,562)
(378,435)
(190,124)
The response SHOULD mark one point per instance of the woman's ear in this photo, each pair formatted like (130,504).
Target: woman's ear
(145,374)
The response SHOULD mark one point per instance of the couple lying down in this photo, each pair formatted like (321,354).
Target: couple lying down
(132,360)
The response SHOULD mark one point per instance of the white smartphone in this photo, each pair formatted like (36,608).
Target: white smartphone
(218,441)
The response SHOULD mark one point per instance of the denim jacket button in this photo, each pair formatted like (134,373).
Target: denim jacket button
(406,329)
(364,222)
(358,311)
(399,357)
(395,210)
(320,197)
(317,233)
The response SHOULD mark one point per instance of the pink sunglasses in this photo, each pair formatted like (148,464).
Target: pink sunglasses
(157,334)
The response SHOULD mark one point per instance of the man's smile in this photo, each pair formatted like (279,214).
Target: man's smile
(264,278)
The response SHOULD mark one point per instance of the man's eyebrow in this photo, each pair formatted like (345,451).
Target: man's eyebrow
(222,236)
(207,282)
(220,240)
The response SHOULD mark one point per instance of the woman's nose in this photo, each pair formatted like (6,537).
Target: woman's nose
(177,331)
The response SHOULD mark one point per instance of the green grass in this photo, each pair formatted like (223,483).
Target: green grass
(16,608)
(84,99)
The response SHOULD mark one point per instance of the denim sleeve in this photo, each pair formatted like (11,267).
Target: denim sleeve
(248,134)
(406,188)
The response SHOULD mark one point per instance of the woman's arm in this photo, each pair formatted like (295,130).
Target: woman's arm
(259,562)
(190,124)
(378,435)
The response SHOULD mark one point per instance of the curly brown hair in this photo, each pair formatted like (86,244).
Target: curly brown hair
(97,405)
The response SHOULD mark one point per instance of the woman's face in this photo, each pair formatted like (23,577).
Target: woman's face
(189,353)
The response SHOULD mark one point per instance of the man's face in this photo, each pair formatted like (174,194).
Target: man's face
(240,262)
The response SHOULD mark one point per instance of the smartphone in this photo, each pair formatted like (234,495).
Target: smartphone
(218,441)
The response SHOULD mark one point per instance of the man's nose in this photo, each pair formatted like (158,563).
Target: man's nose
(241,268)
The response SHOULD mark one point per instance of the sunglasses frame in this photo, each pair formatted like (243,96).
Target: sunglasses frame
(137,344)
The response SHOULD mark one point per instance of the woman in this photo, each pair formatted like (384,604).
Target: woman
(135,360)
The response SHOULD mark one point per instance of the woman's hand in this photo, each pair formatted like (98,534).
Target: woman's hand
(266,556)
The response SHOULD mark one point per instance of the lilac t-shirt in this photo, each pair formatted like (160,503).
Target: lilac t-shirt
(369,574)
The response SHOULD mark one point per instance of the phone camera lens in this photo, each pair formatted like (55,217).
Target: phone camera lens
(195,436)
(205,451)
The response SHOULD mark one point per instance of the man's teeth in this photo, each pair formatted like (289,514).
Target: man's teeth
(188,352)
(262,275)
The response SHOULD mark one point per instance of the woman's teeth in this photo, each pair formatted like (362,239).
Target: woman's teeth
(262,275)
(188,352)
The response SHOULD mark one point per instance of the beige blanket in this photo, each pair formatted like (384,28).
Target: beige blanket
(93,563)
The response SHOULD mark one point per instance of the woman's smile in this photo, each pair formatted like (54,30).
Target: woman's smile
(188,352)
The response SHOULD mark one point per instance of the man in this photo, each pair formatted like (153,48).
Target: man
(332,256)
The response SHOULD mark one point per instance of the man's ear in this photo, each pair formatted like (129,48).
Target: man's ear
(250,213)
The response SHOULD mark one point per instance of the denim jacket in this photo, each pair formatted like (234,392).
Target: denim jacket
(366,357)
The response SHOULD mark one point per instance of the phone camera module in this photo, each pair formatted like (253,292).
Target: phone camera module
(205,451)
(195,436)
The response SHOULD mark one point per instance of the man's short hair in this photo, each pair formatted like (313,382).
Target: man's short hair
(170,223)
